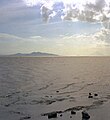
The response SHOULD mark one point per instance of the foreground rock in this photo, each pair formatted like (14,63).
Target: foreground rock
(95,94)
(52,115)
(25,118)
(85,115)
(73,112)
(90,95)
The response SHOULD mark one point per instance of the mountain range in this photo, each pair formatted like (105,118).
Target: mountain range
(34,54)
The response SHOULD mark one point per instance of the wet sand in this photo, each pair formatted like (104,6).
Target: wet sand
(32,88)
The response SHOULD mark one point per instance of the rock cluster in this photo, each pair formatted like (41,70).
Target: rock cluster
(91,96)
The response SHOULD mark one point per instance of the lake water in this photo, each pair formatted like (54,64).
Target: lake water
(31,86)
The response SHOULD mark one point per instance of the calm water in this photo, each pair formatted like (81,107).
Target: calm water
(32,86)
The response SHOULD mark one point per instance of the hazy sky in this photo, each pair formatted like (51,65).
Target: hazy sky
(64,27)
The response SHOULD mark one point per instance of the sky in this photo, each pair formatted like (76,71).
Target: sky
(69,28)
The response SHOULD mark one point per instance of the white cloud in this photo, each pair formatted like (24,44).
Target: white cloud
(8,37)
(13,38)
(83,44)
(82,10)
(100,38)
(35,37)
(75,10)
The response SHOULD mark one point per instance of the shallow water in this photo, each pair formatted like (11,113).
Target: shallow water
(32,86)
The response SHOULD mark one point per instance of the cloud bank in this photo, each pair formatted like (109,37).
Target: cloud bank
(74,10)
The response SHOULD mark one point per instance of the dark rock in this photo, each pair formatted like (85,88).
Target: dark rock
(90,96)
(52,115)
(7,105)
(47,96)
(70,116)
(95,94)
(61,115)
(57,91)
(56,112)
(25,118)
(48,102)
(85,115)
(73,112)
(9,95)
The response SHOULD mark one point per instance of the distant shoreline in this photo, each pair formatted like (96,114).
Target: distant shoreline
(53,56)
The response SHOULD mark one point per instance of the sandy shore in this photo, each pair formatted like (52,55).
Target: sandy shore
(32,88)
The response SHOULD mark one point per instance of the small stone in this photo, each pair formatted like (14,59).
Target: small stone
(95,94)
(52,115)
(57,91)
(61,115)
(73,112)
(46,96)
(25,118)
(90,96)
(7,105)
(9,95)
(70,116)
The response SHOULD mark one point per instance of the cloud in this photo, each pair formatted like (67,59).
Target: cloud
(90,12)
(84,44)
(35,37)
(79,10)
(45,13)
(10,11)
(79,44)
(8,37)
(13,38)
(18,19)
(13,44)
(100,39)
